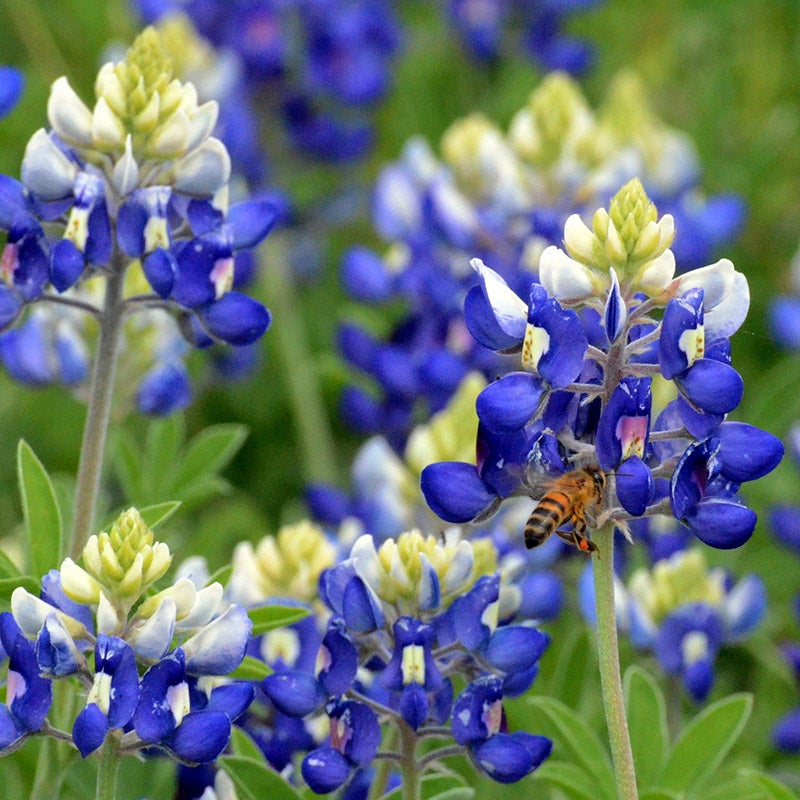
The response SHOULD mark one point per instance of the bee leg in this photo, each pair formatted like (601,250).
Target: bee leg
(581,540)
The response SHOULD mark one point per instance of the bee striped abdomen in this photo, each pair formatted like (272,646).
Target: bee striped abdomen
(553,510)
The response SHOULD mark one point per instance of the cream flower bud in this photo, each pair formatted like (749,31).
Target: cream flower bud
(580,242)
(202,122)
(107,618)
(108,131)
(108,85)
(203,171)
(563,277)
(171,137)
(68,115)
(78,584)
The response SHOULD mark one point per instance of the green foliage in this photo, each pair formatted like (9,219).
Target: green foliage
(438,787)
(168,467)
(251,669)
(41,511)
(255,780)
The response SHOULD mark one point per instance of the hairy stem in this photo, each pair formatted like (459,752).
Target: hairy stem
(409,766)
(610,678)
(98,413)
(108,771)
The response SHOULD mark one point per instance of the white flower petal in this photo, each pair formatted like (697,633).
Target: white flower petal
(46,171)
(716,281)
(153,637)
(562,276)
(68,115)
(509,309)
(727,317)
(658,273)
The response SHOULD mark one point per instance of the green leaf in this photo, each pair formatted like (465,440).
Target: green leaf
(41,511)
(573,780)
(255,780)
(8,569)
(222,575)
(244,746)
(161,512)
(574,741)
(251,669)
(738,788)
(7,585)
(267,618)
(208,453)
(647,723)
(128,465)
(456,793)
(164,438)
(773,790)
(576,668)
(705,742)
(434,786)
(656,793)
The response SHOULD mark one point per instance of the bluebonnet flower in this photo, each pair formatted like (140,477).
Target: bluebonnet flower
(28,695)
(319,65)
(407,618)
(535,425)
(182,638)
(488,27)
(505,197)
(685,613)
(123,209)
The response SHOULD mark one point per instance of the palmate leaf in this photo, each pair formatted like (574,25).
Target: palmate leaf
(647,723)
(574,741)
(208,453)
(243,746)
(254,780)
(41,511)
(704,743)
(27,582)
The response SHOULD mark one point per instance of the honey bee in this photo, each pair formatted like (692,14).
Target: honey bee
(566,500)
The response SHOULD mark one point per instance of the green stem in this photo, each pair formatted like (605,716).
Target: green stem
(409,767)
(98,413)
(610,677)
(288,332)
(384,767)
(108,771)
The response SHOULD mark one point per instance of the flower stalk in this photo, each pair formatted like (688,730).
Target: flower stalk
(610,676)
(409,769)
(98,413)
(108,771)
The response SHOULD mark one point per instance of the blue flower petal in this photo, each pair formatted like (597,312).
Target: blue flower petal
(785,522)
(201,737)
(250,222)
(89,729)
(159,269)
(325,769)
(698,678)
(66,264)
(722,523)
(164,390)
(508,403)
(506,757)
(236,318)
(414,705)
(233,699)
(542,596)
(361,610)
(454,491)
(482,323)
(11,733)
(712,385)
(365,277)
(515,647)
(12,82)
(294,693)
(635,486)
(747,452)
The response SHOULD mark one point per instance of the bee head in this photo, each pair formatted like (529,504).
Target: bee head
(599,478)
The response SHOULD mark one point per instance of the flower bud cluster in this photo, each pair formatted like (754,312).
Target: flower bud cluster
(595,339)
(407,619)
(100,624)
(507,197)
